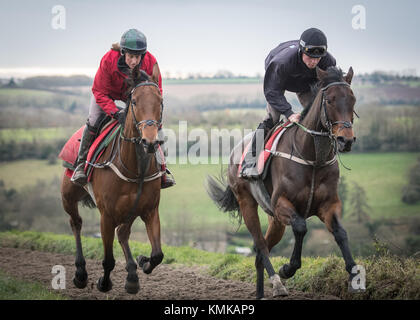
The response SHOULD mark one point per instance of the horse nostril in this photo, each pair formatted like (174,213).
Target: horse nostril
(341,140)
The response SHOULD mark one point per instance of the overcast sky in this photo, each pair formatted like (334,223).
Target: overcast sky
(189,36)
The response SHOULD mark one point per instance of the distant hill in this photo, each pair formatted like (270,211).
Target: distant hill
(46,82)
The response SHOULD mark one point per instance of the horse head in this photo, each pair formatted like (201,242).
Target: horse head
(144,109)
(337,105)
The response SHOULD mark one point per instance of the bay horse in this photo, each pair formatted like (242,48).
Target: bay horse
(298,189)
(119,201)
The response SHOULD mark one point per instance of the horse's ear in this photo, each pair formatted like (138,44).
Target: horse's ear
(349,75)
(321,74)
(156,74)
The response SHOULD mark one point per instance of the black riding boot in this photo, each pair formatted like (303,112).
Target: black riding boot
(249,169)
(167,179)
(79,177)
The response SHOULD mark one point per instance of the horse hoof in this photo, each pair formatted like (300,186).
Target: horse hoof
(282,272)
(132,287)
(141,260)
(102,287)
(81,284)
(279,290)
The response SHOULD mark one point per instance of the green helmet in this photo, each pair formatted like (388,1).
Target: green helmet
(133,41)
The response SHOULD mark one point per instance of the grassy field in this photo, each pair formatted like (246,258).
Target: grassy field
(388,277)
(36,134)
(25,92)
(16,289)
(382,175)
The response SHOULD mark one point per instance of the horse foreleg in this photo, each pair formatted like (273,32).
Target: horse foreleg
(331,219)
(274,234)
(249,212)
(69,194)
(108,231)
(132,281)
(153,232)
(286,211)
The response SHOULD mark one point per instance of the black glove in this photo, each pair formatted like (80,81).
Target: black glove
(120,116)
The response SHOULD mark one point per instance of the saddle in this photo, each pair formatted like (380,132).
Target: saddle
(70,150)
(108,134)
(270,146)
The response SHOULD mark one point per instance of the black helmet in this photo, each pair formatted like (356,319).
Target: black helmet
(133,41)
(313,43)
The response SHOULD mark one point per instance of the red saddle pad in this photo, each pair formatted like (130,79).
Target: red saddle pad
(264,155)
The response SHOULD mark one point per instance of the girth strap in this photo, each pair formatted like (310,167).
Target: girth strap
(299,160)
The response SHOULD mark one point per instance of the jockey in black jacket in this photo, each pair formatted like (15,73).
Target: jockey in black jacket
(290,66)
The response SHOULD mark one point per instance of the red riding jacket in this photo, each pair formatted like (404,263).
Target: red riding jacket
(109,82)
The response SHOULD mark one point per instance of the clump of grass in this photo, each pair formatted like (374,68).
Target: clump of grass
(16,289)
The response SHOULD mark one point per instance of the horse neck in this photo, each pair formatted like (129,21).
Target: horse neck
(128,149)
(312,121)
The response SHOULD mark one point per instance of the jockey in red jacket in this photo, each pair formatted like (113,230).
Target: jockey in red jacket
(109,85)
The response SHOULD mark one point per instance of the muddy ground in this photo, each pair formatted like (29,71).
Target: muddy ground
(167,282)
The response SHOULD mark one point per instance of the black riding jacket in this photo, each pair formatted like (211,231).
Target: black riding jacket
(285,70)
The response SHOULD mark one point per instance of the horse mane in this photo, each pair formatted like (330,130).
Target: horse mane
(334,74)
(116,47)
(136,76)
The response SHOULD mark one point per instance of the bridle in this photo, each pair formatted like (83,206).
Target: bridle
(325,121)
(324,115)
(140,125)
(318,136)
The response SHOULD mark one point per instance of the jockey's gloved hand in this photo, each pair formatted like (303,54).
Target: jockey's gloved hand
(120,116)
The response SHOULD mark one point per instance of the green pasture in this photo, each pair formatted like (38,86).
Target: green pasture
(382,175)
(25,93)
(36,134)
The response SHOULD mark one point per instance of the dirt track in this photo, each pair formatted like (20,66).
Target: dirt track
(165,283)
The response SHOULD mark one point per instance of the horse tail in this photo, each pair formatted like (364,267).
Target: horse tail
(223,196)
(88,202)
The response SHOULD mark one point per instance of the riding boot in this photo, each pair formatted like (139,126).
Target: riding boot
(249,169)
(79,176)
(167,179)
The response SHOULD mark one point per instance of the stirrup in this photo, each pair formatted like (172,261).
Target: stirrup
(167,180)
(249,172)
(79,177)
